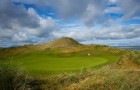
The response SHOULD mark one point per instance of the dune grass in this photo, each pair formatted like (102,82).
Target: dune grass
(114,76)
(57,69)
(11,77)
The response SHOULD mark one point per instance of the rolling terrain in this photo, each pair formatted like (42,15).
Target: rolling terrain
(62,55)
(65,64)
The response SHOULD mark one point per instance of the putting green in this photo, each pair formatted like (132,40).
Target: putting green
(46,64)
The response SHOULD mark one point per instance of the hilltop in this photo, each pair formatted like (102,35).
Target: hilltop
(64,42)
(59,43)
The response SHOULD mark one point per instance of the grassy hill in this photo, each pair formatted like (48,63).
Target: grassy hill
(74,57)
(65,64)
(61,55)
(59,43)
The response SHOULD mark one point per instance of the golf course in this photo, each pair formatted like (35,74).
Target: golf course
(54,59)
(43,64)
(65,64)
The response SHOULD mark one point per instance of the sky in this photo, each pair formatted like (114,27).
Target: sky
(108,22)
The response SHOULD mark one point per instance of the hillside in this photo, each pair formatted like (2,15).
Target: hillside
(65,42)
(59,43)
(65,64)
(65,47)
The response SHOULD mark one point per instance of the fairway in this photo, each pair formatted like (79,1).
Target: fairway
(52,65)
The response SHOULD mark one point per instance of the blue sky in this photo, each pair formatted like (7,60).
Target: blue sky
(110,22)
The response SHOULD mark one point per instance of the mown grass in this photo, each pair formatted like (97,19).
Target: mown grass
(61,60)
(52,65)
(114,76)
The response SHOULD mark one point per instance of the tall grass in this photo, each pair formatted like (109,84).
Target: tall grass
(100,79)
(109,77)
(11,77)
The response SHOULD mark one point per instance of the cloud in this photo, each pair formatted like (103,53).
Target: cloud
(11,15)
(69,8)
(104,33)
(92,14)
(130,7)
(95,20)
(122,42)
(20,37)
(112,1)
(88,11)
(19,25)
(114,9)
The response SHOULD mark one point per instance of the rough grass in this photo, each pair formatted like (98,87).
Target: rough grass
(111,77)
(100,79)
(11,77)
(121,75)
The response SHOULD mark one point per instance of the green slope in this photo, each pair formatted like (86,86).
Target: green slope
(72,59)
(62,55)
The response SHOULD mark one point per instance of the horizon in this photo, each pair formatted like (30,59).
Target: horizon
(103,22)
(133,47)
